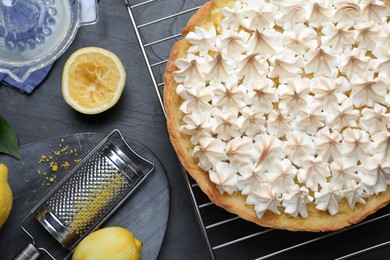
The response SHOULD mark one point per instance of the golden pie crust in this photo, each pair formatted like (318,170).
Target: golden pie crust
(208,15)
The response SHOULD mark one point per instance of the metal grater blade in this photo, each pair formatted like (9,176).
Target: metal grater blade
(92,191)
(85,198)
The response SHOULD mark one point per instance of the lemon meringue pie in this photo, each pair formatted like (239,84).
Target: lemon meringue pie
(280,109)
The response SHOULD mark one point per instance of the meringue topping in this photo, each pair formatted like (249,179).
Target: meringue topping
(313,172)
(321,62)
(295,94)
(298,146)
(354,62)
(338,37)
(266,42)
(310,119)
(343,115)
(366,90)
(196,97)
(328,198)
(328,144)
(278,123)
(261,95)
(346,11)
(373,176)
(252,122)
(250,177)
(382,63)
(219,68)
(354,194)
(232,16)
(343,173)
(281,176)
(381,145)
(269,148)
(252,66)
(329,92)
(196,126)
(367,35)
(287,102)
(209,151)
(385,34)
(202,41)
(225,177)
(189,69)
(300,39)
(375,11)
(228,96)
(318,13)
(295,201)
(240,151)
(258,16)
(357,143)
(285,65)
(232,43)
(292,12)
(225,124)
(264,198)
(375,119)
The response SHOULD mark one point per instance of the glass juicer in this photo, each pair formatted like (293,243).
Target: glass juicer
(34,33)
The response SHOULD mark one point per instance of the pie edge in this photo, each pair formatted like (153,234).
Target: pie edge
(315,222)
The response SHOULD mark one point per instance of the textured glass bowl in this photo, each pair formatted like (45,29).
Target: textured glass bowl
(34,33)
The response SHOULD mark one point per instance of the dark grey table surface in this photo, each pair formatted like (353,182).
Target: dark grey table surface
(44,114)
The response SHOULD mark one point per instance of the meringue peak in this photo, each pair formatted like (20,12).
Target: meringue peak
(285,65)
(219,68)
(321,62)
(346,11)
(318,13)
(266,42)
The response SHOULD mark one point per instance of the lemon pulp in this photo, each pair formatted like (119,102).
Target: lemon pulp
(93,80)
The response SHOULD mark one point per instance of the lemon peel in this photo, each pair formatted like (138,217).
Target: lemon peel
(109,243)
(6,197)
(93,80)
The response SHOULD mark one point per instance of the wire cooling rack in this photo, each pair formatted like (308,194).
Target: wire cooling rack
(158,25)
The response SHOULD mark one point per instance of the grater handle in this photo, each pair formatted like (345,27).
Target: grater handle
(29,252)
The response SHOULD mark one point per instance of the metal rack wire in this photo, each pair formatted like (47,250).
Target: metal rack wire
(157,25)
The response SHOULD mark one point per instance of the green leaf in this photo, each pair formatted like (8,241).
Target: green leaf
(8,140)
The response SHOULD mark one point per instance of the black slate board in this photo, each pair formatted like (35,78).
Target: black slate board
(145,213)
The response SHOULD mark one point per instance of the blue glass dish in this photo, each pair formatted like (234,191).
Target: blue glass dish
(26,23)
(34,33)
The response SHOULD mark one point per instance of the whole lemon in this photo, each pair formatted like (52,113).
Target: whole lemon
(5,194)
(109,243)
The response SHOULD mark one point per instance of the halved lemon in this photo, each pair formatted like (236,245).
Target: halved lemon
(93,80)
